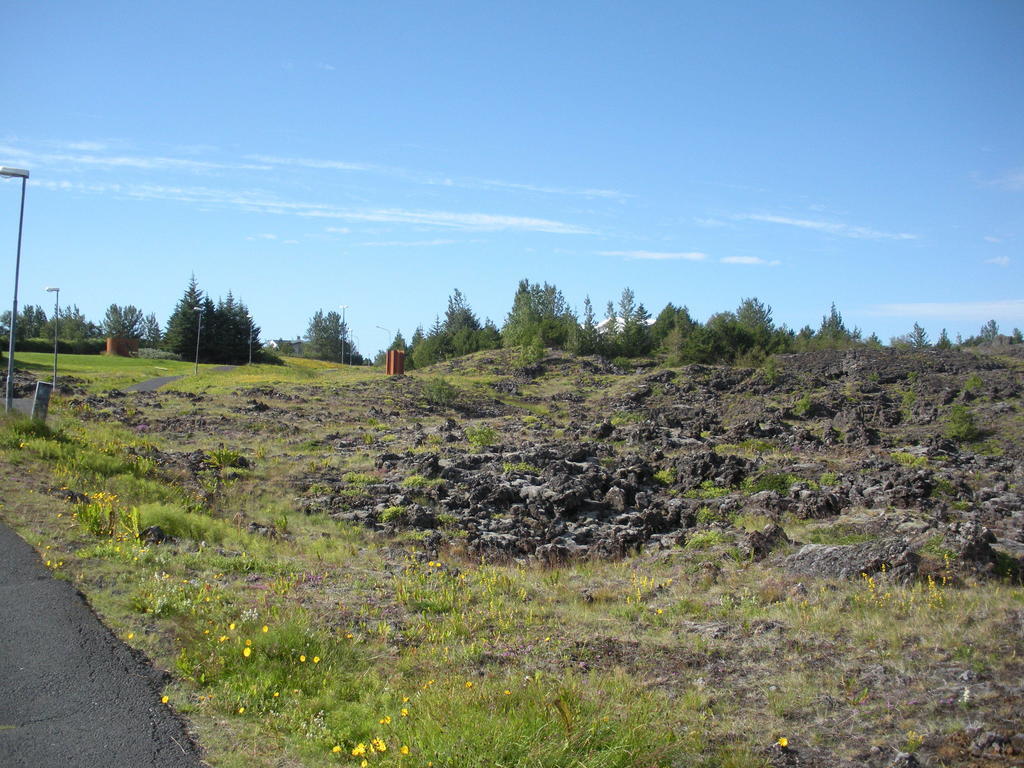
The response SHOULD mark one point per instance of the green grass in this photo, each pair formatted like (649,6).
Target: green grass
(101,372)
(686,656)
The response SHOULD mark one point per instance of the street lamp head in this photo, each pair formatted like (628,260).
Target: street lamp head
(14,173)
(52,290)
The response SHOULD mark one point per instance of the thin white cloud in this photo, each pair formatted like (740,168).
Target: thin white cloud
(418,177)
(712,223)
(467,221)
(828,227)
(963,310)
(992,239)
(493,183)
(326,67)
(1011,180)
(86,146)
(306,162)
(260,203)
(408,243)
(658,255)
(749,260)
(124,161)
(264,236)
(1002,261)
(338,230)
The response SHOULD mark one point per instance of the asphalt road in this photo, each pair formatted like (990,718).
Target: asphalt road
(152,385)
(71,694)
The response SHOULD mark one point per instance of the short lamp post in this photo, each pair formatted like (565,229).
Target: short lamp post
(14,173)
(250,338)
(56,320)
(344,339)
(199,331)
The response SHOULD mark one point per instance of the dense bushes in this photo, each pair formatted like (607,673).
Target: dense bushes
(64,347)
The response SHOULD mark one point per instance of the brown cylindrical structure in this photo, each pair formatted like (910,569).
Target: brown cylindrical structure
(395,364)
(122,347)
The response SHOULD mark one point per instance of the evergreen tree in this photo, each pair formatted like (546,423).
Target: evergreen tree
(989,332)
(919,338)
(123,322)
(31,322)
(182,325)
(541,312)
(585,338)
(75,327)
(943,342)
(151,335)
(326,337)
(398,342)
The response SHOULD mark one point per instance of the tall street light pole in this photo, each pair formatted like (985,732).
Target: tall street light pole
(344,339)
(14,173)
(250,338)
(56,320)
(199,330)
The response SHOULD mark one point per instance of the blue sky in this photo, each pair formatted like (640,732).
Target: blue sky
(382,154)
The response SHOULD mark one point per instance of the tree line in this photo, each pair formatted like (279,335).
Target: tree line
(541,318)
(226,331)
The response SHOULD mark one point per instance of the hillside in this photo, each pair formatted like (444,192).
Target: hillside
(814,563)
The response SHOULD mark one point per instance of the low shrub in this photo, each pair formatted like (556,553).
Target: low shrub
(482,436)
(148,353)
(961,425)
(439,391)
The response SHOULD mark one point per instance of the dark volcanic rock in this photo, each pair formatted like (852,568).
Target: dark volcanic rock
(848,561)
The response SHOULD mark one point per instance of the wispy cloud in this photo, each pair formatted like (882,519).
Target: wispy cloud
(326,67)
(1002,261)
(408,243)
(992,239)
(265,236)
(467,221)
(749,260)
(434,179)
(262,203)
(658,255)
(1011,180)
(828,227)
(306,162)
(580,192)
(338,230)
(93,160)
(963,310)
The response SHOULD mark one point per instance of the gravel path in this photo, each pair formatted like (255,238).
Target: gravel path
(74,696)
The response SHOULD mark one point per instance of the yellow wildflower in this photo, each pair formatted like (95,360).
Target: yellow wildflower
(404,750)
(165,699)
(783,742)
(359,749)
(247,651)
(336,748)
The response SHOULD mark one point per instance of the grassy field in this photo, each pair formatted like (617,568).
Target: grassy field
(99,373)
(299,640)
